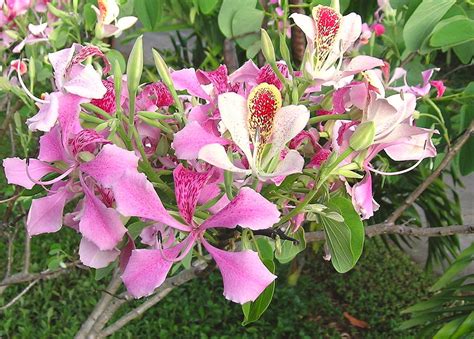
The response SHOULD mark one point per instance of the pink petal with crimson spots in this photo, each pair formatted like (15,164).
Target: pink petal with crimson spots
(46,214)
(188,142)
(92,256)
(218,78)
(99,224)
(136,196)
(107,102)
(244,275)
(147,269)
(15,171)
(248,209)
(110,164)
(188,185)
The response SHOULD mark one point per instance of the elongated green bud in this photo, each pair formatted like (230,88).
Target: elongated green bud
(267,48)
(363,136)
(135,66)
(117,83)
(336,6)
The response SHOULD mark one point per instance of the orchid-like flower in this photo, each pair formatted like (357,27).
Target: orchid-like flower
(73,81)
(107,23)
(244,275)
(329,35)
(261,119)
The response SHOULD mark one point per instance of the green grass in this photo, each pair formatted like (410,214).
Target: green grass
(381,285)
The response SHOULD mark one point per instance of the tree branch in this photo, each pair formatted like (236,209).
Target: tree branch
(18,297)
(389,228)
(424,185)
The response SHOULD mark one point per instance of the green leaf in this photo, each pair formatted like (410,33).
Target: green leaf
(149,12)
(420,24)
(453,31)
(90,17)
(466,160)
(448,329)
(113,55)
(254,310)
(245,22)
(467,327)
(265,249)
(101,273)
(227,12)
(290,250)
(136,228)
(345,239)
(207,6)
(461,262)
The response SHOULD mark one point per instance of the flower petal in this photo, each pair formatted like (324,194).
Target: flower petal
(414,147)
(246,73)
(46,214)
(15,171)
(99,224)
(245,277)
(147,269)
(92,256)
(51,148)
(307,25)
(85,82)
(110,164)
(191,139)
(289,121)
(362,197)
(215,155)
(248,209)
(135,196)
(188,185)
(186,79)
(234,115)
(292,163)
(47,115)
(361,63)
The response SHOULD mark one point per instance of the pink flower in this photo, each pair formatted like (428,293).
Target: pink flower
(440,88)
(379,29)
(244,275)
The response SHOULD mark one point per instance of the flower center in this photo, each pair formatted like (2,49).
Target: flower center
(328,22)
(263,103)
(86,140)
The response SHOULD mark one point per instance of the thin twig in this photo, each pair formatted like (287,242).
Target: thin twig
(428,181)
(18,297)
(19,278)
(160,293)
(389,228)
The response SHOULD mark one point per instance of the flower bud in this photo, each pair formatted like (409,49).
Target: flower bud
(162,68)
(336,6)
(363,136)
(267,48)
(135,66)
(416,115)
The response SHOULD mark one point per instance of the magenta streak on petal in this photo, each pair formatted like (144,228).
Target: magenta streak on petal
(188,186)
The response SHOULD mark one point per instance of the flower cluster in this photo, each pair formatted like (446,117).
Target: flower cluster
(204,158)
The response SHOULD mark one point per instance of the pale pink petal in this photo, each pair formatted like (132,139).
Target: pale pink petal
(51,148)
(414,147)
(362,197)
(289,121)
(246,73)
(186,79)
(60,61)
(215,155)
(147,269)
(92,256)
(361,63)
(69,109)
(15,171)
(234,115)
(48,114)
(46,214)
(306,24)
(188,185)
(244,275)
(85,82)
(248,209)
(110,164)
(126,22)
(100,224)
(292,163)
(191,139)
(135,196)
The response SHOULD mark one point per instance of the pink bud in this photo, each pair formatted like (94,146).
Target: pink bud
(440,87)
(379,29)
(19,66)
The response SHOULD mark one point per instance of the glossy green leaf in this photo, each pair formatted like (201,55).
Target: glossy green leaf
(288,249)
(246,25)
(467,327)
(453,31)
(227,12)
(136,228)
(345,239)
(113,55)
(465,52)
(149,12)
(420,25)
(207,6)
(466,160)
(265,250)
(254,310)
